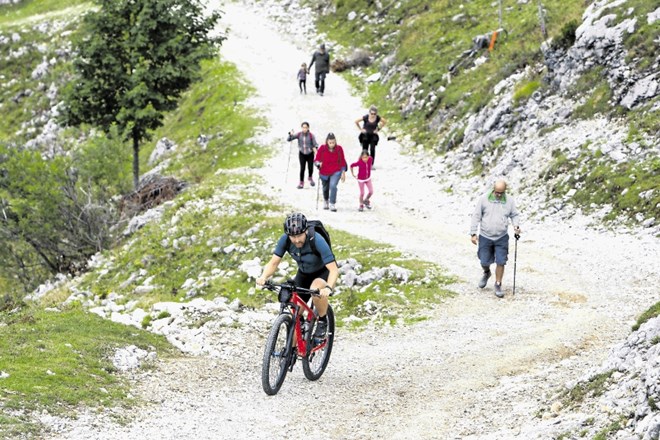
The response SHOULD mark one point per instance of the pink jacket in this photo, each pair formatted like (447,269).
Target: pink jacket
(364,168)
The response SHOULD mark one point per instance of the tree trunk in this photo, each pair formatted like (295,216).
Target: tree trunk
(136,160)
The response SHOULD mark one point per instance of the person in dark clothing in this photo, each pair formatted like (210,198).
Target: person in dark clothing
(307,147)
(322,60)
(302,78)
(371,123)
(316,270)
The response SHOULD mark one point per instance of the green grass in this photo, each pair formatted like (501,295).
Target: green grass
(651,313)
(19,107)
(613,427)
(58,360)
(212,107)
(595,387)
(631,188)
(427,40)
(25,11)
(153,250)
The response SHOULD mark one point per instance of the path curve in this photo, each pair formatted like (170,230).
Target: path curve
(478,369)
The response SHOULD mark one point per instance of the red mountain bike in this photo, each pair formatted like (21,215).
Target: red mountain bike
(291,338)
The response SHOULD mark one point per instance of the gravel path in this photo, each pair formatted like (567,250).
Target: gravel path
(480,368)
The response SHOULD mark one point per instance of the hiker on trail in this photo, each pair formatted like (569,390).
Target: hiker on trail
(371,123)
(332,167)
(302,78)
(491,216)
(363,177)
(317,268)
(307,147)
(322,60)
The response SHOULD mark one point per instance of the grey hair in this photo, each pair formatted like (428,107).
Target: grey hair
(373,108)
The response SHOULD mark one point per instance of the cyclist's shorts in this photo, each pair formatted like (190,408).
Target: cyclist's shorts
(305,280)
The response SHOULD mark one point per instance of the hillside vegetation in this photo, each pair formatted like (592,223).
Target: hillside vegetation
(431,71)
(191,246)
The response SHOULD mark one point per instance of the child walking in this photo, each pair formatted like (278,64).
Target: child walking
(302,78)
(363,165)
(307,147)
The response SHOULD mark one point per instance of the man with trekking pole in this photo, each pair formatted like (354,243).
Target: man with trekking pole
(491,218)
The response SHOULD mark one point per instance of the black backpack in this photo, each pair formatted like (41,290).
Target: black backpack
(314,226)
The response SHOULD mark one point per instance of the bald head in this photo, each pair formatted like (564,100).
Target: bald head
(500,185)
(499,188)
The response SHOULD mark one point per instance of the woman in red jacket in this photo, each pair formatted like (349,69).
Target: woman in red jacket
(330,158)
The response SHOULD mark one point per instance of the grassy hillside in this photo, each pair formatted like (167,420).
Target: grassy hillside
(57,357)
(431,87)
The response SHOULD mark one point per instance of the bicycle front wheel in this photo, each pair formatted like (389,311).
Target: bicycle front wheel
(316,361)
(276,355)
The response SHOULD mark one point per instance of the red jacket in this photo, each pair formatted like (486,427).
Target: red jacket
(331,161)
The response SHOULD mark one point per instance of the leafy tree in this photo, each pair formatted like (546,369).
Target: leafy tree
(49,220)
(135,59)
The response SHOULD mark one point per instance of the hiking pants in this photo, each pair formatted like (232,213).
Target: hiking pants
(330,186)
(306,159)
(319,81)
(365,184)
(369,142)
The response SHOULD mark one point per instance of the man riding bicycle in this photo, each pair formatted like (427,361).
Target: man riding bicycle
(316,270)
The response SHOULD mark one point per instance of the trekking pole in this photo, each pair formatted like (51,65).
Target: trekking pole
(318,190)
(515,258)
(286,176)
(318,184)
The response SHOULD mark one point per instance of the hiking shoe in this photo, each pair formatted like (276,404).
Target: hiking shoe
(333,208)
(321,329)
(498,290)
(311,182)
(325,204)
(484,279)
(367,203)
(301,185)
(361,208)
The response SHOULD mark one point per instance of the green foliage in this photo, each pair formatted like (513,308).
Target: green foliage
(524,91)
(104,162)
(630,188)
(58,360)
(598,102)
(47,219)
(23,97)
(17,14)
(135,59)
(652,312)
(594,387)
(429,37)
(613,427)
(214,108)
(566,37)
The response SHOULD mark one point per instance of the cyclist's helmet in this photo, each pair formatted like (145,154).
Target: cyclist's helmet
(295,224)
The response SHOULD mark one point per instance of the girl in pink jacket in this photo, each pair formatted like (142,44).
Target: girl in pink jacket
(363,177)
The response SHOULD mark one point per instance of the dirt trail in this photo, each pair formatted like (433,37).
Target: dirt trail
(577,291)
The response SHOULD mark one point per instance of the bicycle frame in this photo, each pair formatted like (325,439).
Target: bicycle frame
(297,307)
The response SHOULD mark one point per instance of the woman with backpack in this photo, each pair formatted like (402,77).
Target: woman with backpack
(307,147)
(371,123)
(332,167)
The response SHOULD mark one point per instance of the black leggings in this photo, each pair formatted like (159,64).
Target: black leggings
(305,280)
(369,142)
(303,85)
(306,159)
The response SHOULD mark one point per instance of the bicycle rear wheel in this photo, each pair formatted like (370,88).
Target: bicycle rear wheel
(276,355)
(316,361)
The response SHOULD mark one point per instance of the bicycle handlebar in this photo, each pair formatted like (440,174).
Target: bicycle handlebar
(291,286)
